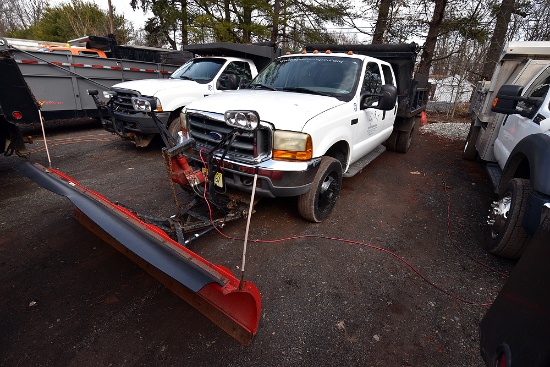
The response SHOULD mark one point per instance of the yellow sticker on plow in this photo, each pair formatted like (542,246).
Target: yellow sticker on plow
(218,179)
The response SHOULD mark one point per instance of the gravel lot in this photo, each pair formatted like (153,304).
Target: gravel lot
(71,300)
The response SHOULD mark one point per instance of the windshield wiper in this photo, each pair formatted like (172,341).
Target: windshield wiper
(263,86)
(185,77)
(306,90)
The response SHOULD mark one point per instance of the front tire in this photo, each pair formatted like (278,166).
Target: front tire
(174,127)
(506,236)
(317,204)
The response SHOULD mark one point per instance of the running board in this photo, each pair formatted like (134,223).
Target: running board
(212,289)
(358,166)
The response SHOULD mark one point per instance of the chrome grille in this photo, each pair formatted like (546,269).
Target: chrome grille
(247,146)
(123,101)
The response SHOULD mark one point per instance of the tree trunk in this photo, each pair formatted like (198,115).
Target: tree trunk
(184,23)
(381,22)
(431,39)
(497,40)
(275,29)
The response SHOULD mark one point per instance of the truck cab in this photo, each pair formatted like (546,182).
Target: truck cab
(205,75)
(517,125)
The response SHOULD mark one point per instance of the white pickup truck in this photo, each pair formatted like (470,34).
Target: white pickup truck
(306,121)
(220,67)
(511,131)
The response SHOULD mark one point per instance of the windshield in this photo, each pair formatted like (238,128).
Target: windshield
(332,76)
(199,70)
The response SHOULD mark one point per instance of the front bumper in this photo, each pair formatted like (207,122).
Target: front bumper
(275,178)
(135,123)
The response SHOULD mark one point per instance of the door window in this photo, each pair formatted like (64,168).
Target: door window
(239,68)
(372,83)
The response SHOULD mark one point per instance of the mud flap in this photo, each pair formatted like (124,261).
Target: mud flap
(212,289)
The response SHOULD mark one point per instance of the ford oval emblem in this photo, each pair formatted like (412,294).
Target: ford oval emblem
(215,135)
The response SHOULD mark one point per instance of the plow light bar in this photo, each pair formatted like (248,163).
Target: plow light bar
(245,120)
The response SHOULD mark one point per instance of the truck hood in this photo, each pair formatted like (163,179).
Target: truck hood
(287,110)
(150,87)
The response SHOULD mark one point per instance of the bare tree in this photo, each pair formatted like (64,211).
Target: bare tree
(381,21)
(431,38)
(498,38)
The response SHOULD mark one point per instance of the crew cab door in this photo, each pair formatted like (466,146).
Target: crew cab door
(373,126)
(516,127)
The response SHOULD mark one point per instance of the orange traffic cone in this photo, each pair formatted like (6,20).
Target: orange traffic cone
(423,118)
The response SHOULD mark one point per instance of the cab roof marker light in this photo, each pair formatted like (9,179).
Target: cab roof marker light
(350,52)
(304,51)
(328,52)
(315,51)
(288,53)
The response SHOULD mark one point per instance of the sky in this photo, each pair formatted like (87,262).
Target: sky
(122,7)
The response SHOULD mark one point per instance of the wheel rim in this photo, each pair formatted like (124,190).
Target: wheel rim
(328,192)
(498,215)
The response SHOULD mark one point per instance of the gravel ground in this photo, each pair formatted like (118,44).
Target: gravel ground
(450,130)
(69,299)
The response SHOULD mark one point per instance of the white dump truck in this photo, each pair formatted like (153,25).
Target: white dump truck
(510,131)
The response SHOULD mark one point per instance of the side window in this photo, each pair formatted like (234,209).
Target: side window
(388,76)
(372,82)
(539,88)
(239,68)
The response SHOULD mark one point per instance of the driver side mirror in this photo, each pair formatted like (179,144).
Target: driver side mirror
(509,102)
(227,82)
(386,98)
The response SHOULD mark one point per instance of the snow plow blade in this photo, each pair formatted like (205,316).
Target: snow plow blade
(212,289)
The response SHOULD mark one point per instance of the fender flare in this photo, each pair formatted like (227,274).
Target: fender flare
(535,149)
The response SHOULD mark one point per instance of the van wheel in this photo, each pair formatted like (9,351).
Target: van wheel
(316,204)
(506,235)
(174,127)
(469,152)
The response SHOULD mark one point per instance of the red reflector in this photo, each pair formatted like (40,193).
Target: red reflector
(116,68)
(164,72)
(134,69)
(29,61)
(149,71)
(97,66)
(78,65)
(17,115)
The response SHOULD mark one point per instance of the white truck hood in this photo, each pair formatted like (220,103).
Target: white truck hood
(150,87)
(287,110)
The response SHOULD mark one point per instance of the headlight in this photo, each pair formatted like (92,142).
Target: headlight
(109,94)
(143,104)
(291,145)
(246,120)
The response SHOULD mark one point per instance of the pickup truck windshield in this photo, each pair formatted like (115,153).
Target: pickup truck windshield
(200,70)
(325,75)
